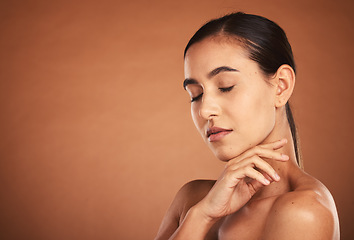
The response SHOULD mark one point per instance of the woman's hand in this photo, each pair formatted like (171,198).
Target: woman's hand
(242,178)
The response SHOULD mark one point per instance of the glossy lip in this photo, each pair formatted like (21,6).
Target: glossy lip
(215,133)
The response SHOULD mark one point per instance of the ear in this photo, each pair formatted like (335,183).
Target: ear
(285,82)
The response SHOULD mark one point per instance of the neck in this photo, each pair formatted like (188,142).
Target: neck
(285,170)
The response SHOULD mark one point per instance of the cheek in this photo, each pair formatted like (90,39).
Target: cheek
(264,114)
(242,106)
(254,111)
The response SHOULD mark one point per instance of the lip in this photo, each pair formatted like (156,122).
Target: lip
(216,133)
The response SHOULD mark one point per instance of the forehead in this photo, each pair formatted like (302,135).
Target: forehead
(214,52)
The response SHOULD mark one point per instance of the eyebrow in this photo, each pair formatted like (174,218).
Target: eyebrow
(218,70)
(213,73)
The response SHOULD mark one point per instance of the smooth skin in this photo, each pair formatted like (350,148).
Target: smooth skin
(261,193)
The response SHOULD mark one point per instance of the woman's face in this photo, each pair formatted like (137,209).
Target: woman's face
(233,103)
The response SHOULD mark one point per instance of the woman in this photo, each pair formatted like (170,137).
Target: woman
(240,74)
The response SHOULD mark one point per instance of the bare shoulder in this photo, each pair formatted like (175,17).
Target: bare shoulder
(307,212)
(189,195)
(197,188)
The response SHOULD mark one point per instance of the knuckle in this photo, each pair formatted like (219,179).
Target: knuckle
(257,149)
(254,158)
(251,161)
(252,165)
(250,168)
(231,174)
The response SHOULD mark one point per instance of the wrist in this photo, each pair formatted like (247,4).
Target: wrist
(197,212)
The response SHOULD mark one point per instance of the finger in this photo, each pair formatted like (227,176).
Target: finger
(275,145)
(260,151)
(252,173)
(271,154)
(255,186)
(232,178)
(267,176)
(261,165)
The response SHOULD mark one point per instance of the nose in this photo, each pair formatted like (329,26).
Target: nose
(209,107)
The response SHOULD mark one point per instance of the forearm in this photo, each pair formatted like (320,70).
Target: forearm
(194,226)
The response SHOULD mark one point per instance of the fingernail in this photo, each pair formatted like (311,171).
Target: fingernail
(276,176)
(266,181)
(284,156)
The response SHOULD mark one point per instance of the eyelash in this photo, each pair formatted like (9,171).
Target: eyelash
(228,89)
(197,97)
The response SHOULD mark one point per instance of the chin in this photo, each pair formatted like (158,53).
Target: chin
(227,154)
(224,158)
(229,151)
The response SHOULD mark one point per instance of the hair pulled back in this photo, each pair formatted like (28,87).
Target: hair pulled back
(266,44)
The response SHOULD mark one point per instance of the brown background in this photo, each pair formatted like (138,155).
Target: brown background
(96,136)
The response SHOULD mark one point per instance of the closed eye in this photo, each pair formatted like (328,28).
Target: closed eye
(197,97)
(228,89)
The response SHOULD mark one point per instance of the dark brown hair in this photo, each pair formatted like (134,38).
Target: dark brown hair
(266,44)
